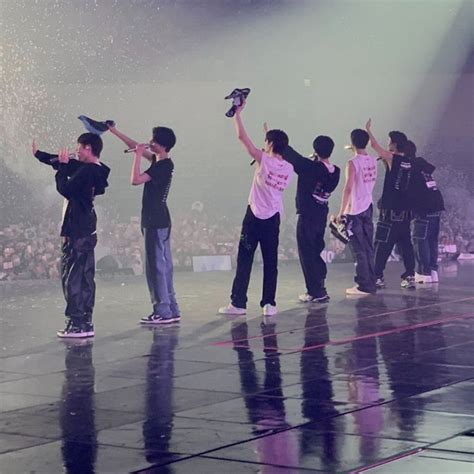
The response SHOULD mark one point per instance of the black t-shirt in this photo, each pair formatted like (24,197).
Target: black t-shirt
(395,195)
(155,213)
(315,184)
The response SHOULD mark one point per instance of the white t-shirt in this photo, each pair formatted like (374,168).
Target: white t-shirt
(272,176)
(364,181)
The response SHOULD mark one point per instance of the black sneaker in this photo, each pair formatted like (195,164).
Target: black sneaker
(156,319)
(89,328)
(74,331)
(408,282)
(380,283)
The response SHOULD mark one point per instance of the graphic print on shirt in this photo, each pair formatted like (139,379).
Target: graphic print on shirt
(277,181)
(429,181)
(320,194)
(369,173)
(403,176)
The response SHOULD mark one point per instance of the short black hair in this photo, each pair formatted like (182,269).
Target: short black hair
(164,136)
(410,149)
(359,138)
(399,138)
(93,140)
(323,146)
(279,140)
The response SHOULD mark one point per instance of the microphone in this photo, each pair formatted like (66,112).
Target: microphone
(134,149)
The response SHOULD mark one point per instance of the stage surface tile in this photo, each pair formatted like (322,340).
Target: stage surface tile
(384,383)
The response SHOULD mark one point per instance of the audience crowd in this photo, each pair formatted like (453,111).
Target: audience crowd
(33,252)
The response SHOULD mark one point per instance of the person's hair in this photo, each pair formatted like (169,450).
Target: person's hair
(279,140)
(410,149)
(323,146)
(359,138)
(93,140)
(164,136)
(399,138)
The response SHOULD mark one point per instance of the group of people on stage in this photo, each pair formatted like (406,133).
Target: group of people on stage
(409,217)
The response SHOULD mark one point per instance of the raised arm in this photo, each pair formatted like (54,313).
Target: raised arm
(242,135)
(137,176)
(382,152)
(130,142)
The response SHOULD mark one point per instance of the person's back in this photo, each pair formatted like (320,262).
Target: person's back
(424,193)
(365,176)
(272,176)
(427,204)
(357,207)
(393,226)
(396,184)
(317,179)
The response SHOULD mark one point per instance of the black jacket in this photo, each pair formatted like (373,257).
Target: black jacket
(79,183)
(315,184)
(424,194)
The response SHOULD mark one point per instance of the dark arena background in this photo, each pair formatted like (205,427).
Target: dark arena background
(382,384)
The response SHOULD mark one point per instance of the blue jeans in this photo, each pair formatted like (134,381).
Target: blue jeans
(362,247)
(425,234)
(159,272)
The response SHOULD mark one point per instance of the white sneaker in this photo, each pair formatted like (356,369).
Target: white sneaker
(355,291)
(269,310)
(422,278)
(434,276)
(231,309)
(305,298)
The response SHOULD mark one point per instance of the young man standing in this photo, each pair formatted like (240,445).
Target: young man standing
(357,206)
(317,179)
(393,226)
(261,224)
(156,221)
(427,203)
(79,181)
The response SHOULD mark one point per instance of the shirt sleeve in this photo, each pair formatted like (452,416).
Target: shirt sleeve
(299,162)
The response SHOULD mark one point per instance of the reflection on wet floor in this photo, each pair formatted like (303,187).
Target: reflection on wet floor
(385,382)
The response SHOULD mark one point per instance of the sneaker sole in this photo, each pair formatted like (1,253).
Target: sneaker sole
(163,321)
(75,336)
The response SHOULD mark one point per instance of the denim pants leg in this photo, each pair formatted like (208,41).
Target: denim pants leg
(385,238)
(248,244)
(156,270)
(310,240)
(77,275)
(269,232)
(361,244)
(174,307)
(433,239)
(421,245)
(406,247)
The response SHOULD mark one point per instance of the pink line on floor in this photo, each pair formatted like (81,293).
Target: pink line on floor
(230,341)
(337,342)
(387,461)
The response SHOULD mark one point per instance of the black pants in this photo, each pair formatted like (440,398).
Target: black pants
(310,239)
(393,228)
(362,248)
(257,231)
(77,277)
(425,233)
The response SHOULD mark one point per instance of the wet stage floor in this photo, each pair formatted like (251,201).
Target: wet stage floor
(383,383)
